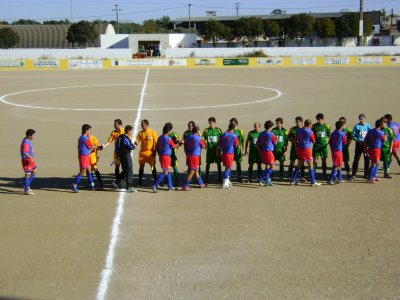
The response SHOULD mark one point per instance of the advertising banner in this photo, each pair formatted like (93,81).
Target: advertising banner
(85,64)
(236,61)
(115,63)
(336,60)
(303,60)
(204,62)
(48,63)
(395,60)
(269,61)
(370,60)
(12,63)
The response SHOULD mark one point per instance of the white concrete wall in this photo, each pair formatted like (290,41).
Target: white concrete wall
(89,53)
(114,41)
(284,51)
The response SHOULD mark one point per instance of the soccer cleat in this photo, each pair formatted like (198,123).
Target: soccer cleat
(202,186)
(315,184)
(330,182)
(371,181)
(387,176)
(131,190)
(154,188)
(294,183)
(29,192)
(260,182)
(352,178)
(75,189)
(120,190)
(340,181)
(185,188)
(376,179)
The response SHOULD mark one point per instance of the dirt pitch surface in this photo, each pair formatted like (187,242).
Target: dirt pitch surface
(250,242)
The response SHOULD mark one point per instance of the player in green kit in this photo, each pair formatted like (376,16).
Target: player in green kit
(281,145)
(211,137)
(387,147)
(292,139)
(174,159)
(322,131)
(238,151)
(252,151)
(346,155)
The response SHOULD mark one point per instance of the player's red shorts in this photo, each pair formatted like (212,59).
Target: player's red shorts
(267,157)
(193,162)
(304,154)
(337,158)
(374,154)
(396,145)
(165,161)
(84,161)
(227,159)
(28,165)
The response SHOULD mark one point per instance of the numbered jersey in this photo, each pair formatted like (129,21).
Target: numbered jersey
(321,133)
(282,136)
(212,136)
(252,138)
(389,137)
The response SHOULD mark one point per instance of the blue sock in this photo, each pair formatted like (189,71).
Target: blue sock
(200,181)
(77,179)
(90,177)
(295,174)
(169,179)
(333,175)
(26,184)
(264,175)
(371,173)
(159,179)
(398,162)
(312,175)
(186,183)
(339,174)
(227,173)
(376,170)
(31,178)
(268,175)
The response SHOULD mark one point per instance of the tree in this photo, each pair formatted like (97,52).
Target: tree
(8,38)
(398,25)
(251,28)
(325,28)
(271,29)
(300,26)
(278,11)
(4,23)
(347,26)
(81,33)
(149,26)
(214,30)
(25,22)
(164,24)
(229,35)
(57,22)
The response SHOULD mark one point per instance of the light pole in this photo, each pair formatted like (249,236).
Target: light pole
(190,27)
(71,13)
(361,24)
(237,6)
(116,9)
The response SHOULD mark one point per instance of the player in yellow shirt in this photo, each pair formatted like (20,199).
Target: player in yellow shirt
(147,154)
(118,130)
(94,158)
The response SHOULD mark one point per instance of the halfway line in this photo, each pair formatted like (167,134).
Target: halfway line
(108,267)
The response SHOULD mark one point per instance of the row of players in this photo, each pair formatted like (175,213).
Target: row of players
(265,147)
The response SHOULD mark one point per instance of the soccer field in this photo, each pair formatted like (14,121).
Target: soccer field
(249,242)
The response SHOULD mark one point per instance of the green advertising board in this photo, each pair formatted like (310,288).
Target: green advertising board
(236,61)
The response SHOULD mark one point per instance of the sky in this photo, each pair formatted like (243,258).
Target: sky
(138,11)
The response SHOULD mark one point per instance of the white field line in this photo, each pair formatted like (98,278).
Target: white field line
(277,92)
(109,264)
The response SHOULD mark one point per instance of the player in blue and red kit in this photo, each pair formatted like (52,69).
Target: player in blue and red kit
(336,142)
(164,148)
(266,144)
(84,150)
(194,143)
(228,144)
(396,142)
(372,147)
(304,138)
(27,160)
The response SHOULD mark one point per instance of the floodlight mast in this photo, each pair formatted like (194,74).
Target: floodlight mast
(361,24)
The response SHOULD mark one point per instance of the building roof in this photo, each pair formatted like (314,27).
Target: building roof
(47,36)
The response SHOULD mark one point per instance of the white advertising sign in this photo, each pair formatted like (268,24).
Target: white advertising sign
(12,63)
(204,62)
(50,63)
(336,60)
(85,64)
(370,60)
(269,61)
(303,60)
(148,63)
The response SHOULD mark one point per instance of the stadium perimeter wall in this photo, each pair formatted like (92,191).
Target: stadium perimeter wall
(95,58)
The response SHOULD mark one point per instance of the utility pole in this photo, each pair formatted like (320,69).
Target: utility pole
(116,9)
(237,6)
(190,25)
(72,13)
(361,24)
(391,19)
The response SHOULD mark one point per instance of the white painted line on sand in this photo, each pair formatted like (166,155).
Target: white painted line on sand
(277,92)
(109,264)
